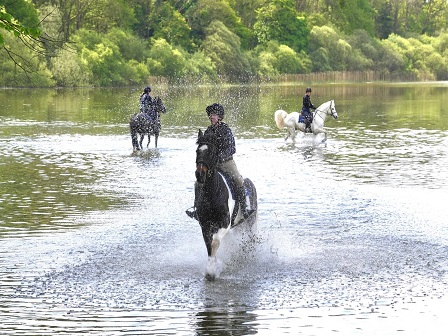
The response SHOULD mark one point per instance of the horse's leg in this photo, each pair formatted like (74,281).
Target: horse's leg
(215,245)
(134,140)
(149,140)
(156,137)
(142,136)
(212,270)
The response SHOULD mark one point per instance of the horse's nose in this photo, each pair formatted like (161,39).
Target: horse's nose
(202,168)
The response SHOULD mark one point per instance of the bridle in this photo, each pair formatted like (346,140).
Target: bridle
(331,107)
(208,165)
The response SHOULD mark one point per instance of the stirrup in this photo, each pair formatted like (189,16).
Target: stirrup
(192,213)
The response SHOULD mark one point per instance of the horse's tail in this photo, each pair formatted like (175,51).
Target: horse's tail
(279,118)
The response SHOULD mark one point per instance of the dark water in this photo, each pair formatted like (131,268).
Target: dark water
(352,234)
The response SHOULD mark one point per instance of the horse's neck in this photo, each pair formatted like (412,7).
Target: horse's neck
(321,112)
(214,181)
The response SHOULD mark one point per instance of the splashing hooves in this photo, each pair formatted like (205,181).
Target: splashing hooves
(210,277)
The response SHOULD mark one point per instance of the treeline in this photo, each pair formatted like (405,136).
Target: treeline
(125,42)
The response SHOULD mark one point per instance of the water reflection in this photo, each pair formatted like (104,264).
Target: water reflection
(225,321)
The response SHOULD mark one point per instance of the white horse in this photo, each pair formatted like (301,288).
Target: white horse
(293,124)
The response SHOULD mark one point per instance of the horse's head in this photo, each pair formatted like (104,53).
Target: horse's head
(206,156)
(332,110)
(158,105)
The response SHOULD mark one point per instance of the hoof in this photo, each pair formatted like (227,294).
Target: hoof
(210,277)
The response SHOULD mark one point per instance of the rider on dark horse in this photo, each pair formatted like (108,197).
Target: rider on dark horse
(226,165)
(306,113)
(146,105)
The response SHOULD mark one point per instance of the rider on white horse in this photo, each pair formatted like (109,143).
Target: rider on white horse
(306,113)
(226,148)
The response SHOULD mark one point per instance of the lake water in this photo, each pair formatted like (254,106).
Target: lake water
(352,234)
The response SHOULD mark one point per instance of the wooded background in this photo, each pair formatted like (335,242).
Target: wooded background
(126,42)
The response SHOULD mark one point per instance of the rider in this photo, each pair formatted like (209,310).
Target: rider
(226,149)
(306,109)
(146,104)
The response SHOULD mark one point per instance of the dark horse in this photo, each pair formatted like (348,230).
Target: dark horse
(217,212)
(140,124)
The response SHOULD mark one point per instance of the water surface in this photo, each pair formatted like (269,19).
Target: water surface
(352,234)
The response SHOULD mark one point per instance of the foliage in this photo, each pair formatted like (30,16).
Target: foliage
(275,58)
(131,47)
(27,28)
(123,42)
(103,59)
(12,74)
(278,20)
(168,24)
(223,48)
(200,65)
(164,60)
(204,12)
(68,69)
(329,42)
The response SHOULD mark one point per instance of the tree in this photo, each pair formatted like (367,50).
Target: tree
(20,29)
(203,12)
(223,48)
(165,60)
(384,22)
(278,20)
(25,29)
(167,23)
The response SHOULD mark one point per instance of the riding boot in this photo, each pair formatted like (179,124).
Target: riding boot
(191,212)
(241,197)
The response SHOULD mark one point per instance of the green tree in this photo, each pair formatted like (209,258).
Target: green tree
(278,20)
(131,46)
(142,10)
(203,12)
(21,46)
(434,16)
(103,59)
(200,65)
(68,69)
(357,14)
(165,60)
(31,71)
(167,23)
(330,43)
(223,48)
(384,22)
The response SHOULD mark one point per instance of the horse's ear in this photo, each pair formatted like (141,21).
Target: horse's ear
(200,135)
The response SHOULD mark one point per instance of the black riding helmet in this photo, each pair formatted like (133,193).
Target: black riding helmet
(147,89)
(308,89)
(215,109)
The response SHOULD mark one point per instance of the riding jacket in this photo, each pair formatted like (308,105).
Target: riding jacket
(225,140)
(307,105)
(146,106)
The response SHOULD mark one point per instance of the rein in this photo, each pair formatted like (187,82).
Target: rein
(316,112)
(210,164)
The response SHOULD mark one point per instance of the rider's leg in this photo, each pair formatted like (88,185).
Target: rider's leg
(308,121)
(230,169)
(192,211)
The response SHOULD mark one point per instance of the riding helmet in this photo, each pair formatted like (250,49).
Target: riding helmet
(147,89)
(308,89)
(215,109)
